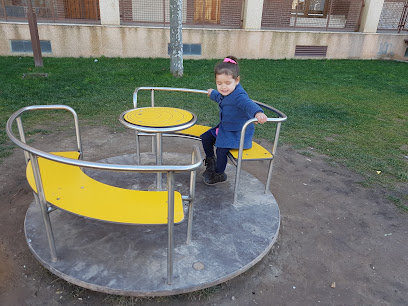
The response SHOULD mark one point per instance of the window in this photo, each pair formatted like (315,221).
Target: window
(310,8)
(24,46)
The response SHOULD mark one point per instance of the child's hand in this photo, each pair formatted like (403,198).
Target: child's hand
(209,91)
(261,117)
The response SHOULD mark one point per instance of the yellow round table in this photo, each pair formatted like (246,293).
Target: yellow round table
(157,120)
(159,117)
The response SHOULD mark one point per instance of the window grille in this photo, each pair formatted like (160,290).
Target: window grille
(195,13)
(320,14)
(394,16)
(52,10)
(25,46)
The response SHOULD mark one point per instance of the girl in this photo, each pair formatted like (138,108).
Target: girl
(235,109)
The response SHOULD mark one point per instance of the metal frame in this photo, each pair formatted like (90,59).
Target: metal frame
(54,15)
(32,154)
(282,118)
(238,163)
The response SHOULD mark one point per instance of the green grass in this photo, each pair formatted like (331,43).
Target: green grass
(351,110)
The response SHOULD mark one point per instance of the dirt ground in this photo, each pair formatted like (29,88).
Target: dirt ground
(339,243)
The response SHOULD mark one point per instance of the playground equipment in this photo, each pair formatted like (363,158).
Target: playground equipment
(126,253)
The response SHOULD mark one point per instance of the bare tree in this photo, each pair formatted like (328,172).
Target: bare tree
(35,39)
(176,39)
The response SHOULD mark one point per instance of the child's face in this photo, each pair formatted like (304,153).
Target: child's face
(226,83)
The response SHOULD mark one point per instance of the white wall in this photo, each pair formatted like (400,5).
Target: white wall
(128,41)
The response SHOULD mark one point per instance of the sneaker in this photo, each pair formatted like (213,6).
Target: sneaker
(209,162)
(215,178)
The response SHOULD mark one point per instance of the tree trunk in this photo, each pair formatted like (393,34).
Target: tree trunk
(176,40)
(35,40)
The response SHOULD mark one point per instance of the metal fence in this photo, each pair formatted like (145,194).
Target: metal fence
(86,11)
(277,14)
(394,16)
(199,13)
(319,14)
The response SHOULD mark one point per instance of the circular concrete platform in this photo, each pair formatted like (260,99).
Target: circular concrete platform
(131,260)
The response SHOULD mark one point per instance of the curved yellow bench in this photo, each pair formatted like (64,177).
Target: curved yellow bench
(69,188)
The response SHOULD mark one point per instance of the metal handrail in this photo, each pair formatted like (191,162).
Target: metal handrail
(22,144)
(282,118)
(135,93)
(89,164)
(163,89)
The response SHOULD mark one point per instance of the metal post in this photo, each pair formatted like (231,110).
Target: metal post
(159,159)
(170,226)
(191,201)
(240,153)
(22,138)
(296,14)
(137,148)
(237,174)
(275,146)
(35,39)
(152,105)
(78,135)
(404,17)
(43,205)
(152,98)
(330,13)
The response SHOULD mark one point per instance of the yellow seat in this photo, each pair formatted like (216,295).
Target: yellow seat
(195,130)
(69,188)
(254,153)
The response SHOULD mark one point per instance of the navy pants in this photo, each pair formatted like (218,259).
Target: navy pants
(208,141)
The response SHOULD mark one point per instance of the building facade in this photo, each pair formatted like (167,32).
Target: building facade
(274,29)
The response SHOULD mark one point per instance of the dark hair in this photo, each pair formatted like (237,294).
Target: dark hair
(227,67)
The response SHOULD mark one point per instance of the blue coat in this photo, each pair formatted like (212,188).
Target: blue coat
(235,110)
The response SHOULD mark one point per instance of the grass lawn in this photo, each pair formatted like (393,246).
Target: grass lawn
(354,111)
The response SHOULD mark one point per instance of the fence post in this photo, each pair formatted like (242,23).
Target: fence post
(371,16)
(109,11)
(253,10)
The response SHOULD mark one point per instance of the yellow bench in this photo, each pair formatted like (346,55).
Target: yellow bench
(58,181)
(69,188)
